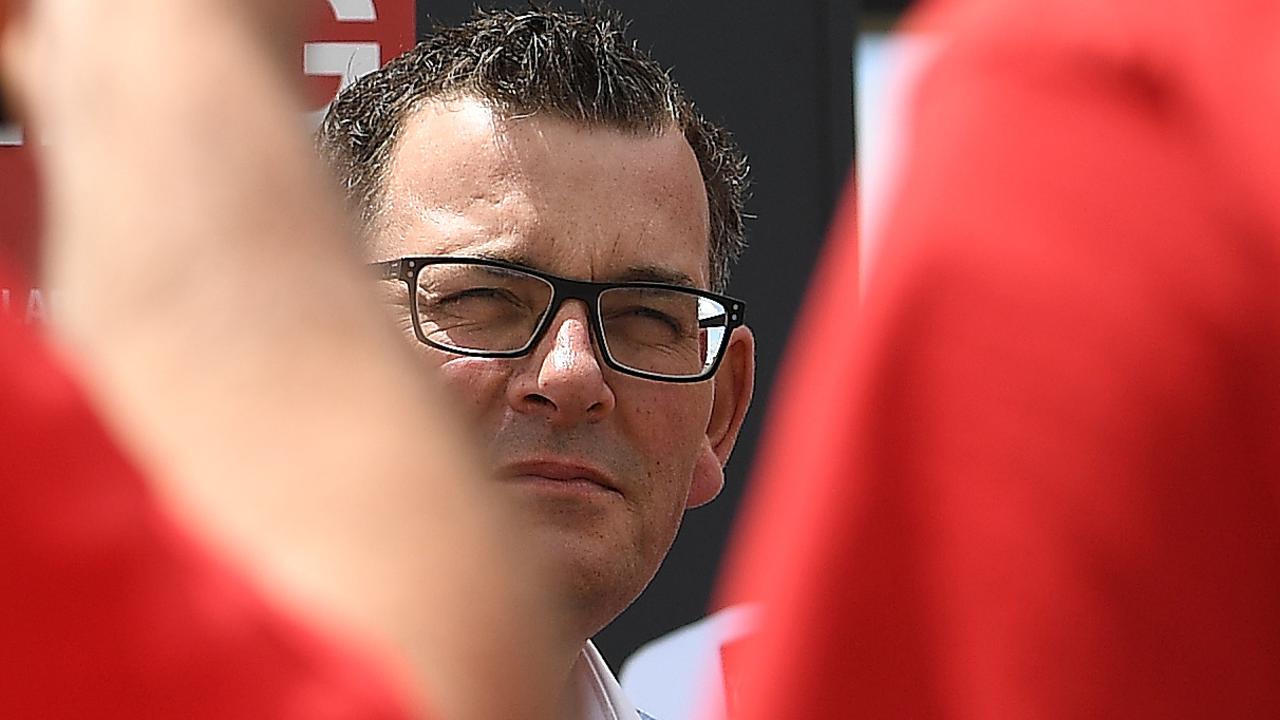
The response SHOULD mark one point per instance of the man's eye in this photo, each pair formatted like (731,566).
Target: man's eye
(476,303)
(646,323)
(481,294)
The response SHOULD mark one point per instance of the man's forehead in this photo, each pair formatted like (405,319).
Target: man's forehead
(543,192)
(455,140)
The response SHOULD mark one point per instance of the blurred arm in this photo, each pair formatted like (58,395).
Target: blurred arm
(210,296)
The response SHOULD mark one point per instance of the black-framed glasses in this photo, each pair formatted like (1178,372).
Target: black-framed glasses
(489,308)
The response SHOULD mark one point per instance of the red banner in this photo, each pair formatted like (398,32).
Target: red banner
(346,39)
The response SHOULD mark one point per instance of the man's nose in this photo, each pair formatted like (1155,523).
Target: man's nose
(562,380)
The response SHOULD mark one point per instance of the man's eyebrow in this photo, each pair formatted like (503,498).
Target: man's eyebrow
(515,258)
(634,273)
(656,274)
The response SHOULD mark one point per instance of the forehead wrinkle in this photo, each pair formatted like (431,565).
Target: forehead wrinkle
(652,271)
(523,247)
(495,207)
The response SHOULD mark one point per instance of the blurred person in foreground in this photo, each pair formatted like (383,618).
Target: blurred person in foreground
(554,223)
(1040,477)
(227,345)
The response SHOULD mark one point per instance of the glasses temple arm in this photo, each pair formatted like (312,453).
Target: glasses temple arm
(387,269)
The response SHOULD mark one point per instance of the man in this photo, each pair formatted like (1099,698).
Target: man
(1039,477)
(554,223)
(191,254)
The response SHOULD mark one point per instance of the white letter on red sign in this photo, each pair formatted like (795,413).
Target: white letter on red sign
(10,135)
(354,10)
(347,60)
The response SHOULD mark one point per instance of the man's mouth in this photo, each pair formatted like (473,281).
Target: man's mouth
(559,476)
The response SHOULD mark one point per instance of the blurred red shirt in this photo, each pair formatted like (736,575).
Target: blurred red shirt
(1039,477)
(108,610)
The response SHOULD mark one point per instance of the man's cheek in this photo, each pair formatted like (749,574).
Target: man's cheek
(476,384)
(676,416)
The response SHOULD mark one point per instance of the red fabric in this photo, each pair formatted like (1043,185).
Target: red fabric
(107,610)
(1040,478)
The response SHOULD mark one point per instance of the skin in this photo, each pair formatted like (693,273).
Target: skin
(160,212)
(592,204)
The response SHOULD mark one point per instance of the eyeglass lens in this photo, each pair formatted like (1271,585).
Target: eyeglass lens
(482,308)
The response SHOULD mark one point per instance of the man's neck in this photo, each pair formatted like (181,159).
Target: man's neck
(567,658)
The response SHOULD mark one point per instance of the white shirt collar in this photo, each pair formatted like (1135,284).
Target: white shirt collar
(601,695)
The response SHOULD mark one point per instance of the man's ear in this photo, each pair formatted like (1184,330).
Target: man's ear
(734,383)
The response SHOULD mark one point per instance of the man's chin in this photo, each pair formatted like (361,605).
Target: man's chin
(586,560)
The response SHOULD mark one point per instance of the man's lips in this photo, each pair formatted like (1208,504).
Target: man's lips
(559,472)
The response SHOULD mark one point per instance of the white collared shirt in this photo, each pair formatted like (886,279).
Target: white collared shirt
(601,695)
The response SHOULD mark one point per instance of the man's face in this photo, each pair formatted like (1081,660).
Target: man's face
(605,463)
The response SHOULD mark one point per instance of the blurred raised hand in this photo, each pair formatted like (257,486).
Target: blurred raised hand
(212,301)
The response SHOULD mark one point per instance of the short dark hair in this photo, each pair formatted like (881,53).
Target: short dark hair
(575,65)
